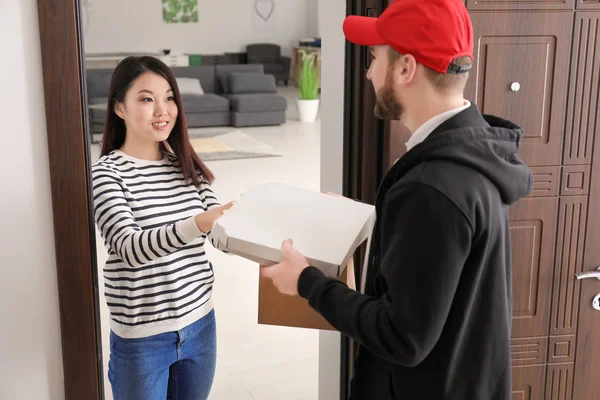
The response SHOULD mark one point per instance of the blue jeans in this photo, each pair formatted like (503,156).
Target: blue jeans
(174,365)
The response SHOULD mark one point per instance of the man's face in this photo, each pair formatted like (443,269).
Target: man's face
(381,75)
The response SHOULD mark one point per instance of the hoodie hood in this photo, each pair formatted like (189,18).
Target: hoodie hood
(487,144)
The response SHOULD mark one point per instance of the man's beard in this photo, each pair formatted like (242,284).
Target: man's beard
(387,106)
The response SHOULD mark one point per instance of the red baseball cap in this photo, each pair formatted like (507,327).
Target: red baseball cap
(435,32)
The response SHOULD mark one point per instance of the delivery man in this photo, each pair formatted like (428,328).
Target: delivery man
(433,317)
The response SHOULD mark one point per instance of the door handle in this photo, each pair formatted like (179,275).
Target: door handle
(589,274)
(596,303)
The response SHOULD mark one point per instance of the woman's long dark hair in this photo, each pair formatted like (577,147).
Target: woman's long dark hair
(125,73)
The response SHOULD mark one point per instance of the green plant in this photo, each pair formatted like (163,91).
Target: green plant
(175,11)
(309,81)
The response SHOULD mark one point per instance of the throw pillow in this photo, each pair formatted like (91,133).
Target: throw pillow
(252,82)
(189,86)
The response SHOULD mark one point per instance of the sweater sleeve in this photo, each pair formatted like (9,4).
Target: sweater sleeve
(209,199)
(115,220)
(425,240)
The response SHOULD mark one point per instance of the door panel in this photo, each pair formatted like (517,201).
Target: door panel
(546,181)
(528,382)
(534,84)
(569,261)
(520,74)
(588,4)
(561,349)
(586,384)
(559,382)
(583,102)
(528,351)
(533,233)
(575,180)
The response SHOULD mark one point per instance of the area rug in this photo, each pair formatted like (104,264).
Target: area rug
(231,146)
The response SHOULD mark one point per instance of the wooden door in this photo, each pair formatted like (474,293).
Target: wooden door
(540,68)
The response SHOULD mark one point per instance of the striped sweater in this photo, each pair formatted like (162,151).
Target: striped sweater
(157,277)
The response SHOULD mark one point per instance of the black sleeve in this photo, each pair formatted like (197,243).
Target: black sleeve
(425,240)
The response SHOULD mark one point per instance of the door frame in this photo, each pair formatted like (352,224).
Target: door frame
(69,159)
(70,177)
(365,138)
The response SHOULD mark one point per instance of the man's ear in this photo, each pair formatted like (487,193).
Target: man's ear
(405,69)
(120,110)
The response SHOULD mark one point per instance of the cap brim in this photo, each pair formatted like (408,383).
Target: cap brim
(362,31)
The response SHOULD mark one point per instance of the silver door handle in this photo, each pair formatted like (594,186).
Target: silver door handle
(589,274)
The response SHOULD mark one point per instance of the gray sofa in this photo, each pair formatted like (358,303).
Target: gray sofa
(237,95)
(269,55)
(98,83)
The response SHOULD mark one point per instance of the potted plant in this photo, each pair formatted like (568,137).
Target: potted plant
(308,103)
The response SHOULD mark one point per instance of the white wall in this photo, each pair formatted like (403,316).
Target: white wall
(223,26)
(332,14)
(30,347)
(312,18)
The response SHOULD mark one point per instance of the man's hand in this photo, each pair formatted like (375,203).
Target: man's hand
(285,275)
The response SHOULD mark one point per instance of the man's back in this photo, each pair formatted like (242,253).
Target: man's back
(447,268)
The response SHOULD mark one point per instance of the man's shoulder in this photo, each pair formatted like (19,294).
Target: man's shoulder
(462,184)
(446,175)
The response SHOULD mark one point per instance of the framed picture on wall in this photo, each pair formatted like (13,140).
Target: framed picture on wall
(180,11)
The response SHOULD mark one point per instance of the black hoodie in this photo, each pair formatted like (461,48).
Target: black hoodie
(435,320)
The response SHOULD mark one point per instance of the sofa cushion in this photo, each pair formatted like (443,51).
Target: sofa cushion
(222,71)
(205,74)
(274,68)
(251,82)
(208,102)
(189,86)
(257,102)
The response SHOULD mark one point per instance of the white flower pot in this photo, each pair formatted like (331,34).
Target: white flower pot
(308,109)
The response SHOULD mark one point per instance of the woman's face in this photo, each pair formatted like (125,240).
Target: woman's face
(148,109)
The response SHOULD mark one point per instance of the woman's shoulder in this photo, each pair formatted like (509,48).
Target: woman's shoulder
(107,163)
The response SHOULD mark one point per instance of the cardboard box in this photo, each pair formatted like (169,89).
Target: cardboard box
(326,229)
(275,308)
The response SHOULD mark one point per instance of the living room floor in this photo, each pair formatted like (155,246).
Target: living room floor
(255,362)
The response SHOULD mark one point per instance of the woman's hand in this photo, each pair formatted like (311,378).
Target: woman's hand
(205,220)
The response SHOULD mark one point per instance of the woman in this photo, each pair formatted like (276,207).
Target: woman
(154,207)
